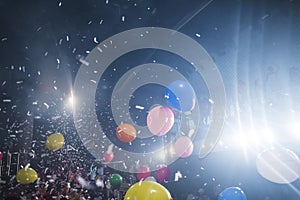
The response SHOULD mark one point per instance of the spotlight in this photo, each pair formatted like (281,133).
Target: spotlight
(294,129)
(71,101)
(254,138)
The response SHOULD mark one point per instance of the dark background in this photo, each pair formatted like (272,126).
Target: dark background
(255,44)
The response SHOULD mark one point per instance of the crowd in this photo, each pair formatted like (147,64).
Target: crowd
(66,178)
(76,177)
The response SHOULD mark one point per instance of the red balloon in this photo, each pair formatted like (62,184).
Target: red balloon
(163,173)
(143,172)
(1,155)
(108,156)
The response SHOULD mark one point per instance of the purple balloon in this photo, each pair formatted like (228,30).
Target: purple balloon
(163,173)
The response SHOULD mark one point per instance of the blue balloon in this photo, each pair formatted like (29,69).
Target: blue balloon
(180,95)
(232,193)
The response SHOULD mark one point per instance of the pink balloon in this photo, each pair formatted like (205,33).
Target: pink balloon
(160,120)
(163,173)
(183,146)
(143,172)
(1,155)
(108,156)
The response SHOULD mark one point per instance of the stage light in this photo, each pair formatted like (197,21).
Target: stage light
(267,136)
(254,138)
(246,140)
(294,129)
(71,100)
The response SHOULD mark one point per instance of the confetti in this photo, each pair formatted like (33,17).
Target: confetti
(123,18)
(95,40)
(6,100)
(139,107)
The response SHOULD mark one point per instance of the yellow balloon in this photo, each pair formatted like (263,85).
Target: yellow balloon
(26,176)
(55,141)
(147,190)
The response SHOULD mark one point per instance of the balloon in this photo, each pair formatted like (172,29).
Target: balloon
(160,120)
(143,172)
(147,190)
(278,165)
(232,193)
(1,155)
(26,175)
(150,178)
(115,180)
(108,156)
(163,173)
(180,95)
(55,141)
(183,146)
(126,132)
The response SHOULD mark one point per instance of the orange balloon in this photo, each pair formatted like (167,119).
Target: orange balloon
(126,132)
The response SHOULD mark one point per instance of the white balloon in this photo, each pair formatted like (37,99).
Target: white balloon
(150,178)
(278,165)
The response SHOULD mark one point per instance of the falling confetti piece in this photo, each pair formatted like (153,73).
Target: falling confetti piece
(123,18)
(139,107)
(6,100)
(95,40)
